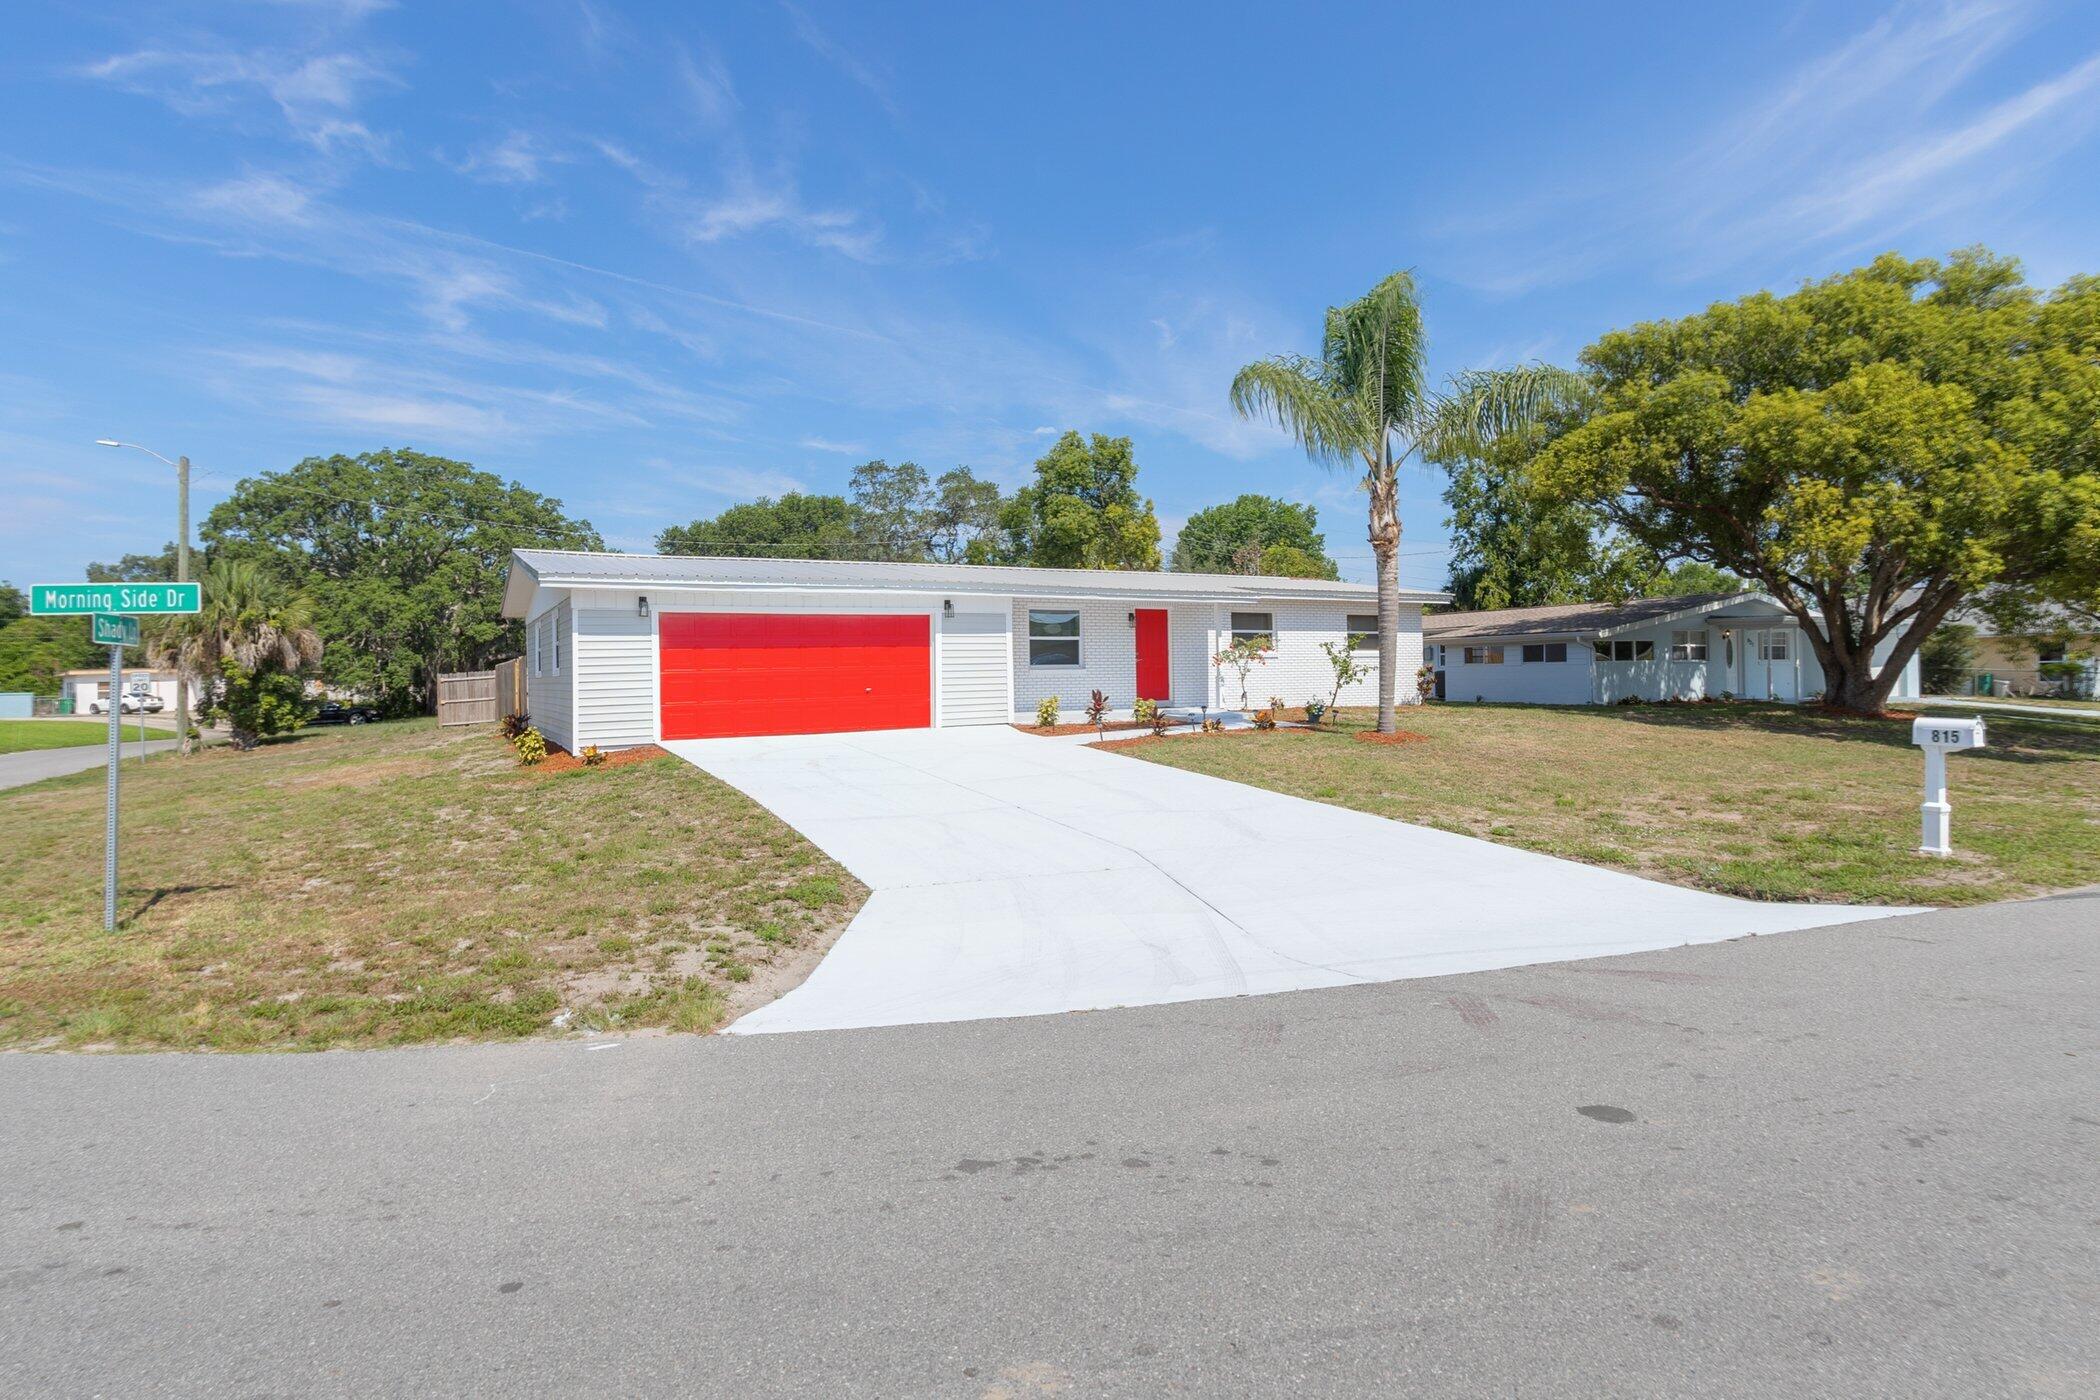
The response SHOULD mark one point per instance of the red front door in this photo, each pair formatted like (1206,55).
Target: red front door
(1152,654)
(793,673)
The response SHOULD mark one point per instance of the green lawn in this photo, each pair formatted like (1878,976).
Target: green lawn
(399,883)
(17,735)
(1768,802)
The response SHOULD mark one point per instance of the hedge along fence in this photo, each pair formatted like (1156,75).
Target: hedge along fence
(467,697)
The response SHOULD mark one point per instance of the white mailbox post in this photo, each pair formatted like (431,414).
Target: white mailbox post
(1940,737)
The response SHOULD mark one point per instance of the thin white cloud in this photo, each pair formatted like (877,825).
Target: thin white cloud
(708,89)
(315,93)
(855,67)
(517,159)
(818,444)
(732,483)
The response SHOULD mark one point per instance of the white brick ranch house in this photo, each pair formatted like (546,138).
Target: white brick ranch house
(1742,645)
(627,649)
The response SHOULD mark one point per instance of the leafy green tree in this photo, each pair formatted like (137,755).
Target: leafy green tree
(403,557)
(1947,658)
(1289,561)
(796,526)
(1513,547)
(1367,400)
(36,652)
(1082,511)
(1211,540)
(136,568)
(1690,578)
(13,603)
(893,515)
(963,517)
(1872,450)
(245,649)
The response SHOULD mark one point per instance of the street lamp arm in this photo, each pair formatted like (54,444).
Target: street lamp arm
(112,442)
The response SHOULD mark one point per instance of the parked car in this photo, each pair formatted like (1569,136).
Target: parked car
(335,713)
(132,702)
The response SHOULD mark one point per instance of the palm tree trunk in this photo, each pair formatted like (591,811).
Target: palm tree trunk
(1384,490)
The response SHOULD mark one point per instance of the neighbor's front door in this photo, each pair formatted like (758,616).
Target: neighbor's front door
(1768,665)
(1152,654)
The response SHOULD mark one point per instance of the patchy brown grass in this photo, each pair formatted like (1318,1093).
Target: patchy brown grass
(1763,801)
(397,883)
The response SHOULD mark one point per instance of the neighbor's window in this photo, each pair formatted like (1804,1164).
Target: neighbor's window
(1545,651)
(1688,646)
(1639,650)
(1258,628)
(1363,631)
(1053,636)
(1772,647)
(1483,656)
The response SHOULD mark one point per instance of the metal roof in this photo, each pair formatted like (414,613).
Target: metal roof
(1571,619)
(561,568)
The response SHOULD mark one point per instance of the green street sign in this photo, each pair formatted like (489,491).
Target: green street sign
(111,630)
(73,599)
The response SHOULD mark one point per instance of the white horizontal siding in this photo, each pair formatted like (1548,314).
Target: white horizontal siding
(974,659)
(549,640)
(615,676)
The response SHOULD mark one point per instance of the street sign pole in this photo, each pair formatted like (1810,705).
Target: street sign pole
(109,821)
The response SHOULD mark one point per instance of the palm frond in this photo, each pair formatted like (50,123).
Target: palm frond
(1298,395)
(1483,404)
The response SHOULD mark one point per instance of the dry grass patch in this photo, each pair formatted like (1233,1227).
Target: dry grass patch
(1763,801)
(398,883)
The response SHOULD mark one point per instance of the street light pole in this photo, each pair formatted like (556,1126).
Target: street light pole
(182,573)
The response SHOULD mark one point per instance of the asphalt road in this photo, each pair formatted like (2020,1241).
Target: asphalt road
(35,765)
(1861,1161)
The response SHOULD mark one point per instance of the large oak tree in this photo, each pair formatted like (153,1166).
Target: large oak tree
(1873,450)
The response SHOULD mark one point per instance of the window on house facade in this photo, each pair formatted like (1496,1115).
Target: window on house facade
(554,631)
(1688,646)
(1772,646)
(1053,636)
(1640,649)
(1256,627)
(1483,656)
(1363,631)
(1545,651)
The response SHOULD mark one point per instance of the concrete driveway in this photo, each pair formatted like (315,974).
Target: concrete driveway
(1019,876)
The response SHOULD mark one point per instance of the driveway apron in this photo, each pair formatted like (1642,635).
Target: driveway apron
(1020,876)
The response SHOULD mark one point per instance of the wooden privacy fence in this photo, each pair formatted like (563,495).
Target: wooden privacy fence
(467,697)
(510,687)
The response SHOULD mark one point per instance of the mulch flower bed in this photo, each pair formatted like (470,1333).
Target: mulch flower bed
(1113,727)
(1398,736)
(560,760)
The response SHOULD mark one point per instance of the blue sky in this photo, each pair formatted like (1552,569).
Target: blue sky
(657,259)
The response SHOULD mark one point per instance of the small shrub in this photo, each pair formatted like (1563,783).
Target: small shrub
(1347,669)
(1144,711)
(511,726)
(591,756)
(1096,709)
(531,746)
(1157,718)
(1046,713)
(1425,684)
(1315,710)
(1264,719)
(1214,726)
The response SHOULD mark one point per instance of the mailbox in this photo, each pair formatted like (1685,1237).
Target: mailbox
(1947,735)
(1940,737)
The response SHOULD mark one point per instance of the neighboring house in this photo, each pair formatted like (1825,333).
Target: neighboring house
(90,689)
(2055,657)
(1737,644)
(626,649)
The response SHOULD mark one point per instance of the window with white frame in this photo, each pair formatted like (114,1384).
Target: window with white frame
(554,632)
(1256,627)
(1688,646)
(1535,652)
(1053,636)
(1771,646)
(1627,649)
(1483,656)
(1363,631)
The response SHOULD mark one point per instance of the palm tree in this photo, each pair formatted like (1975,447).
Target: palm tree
(1367,395)
(248,619)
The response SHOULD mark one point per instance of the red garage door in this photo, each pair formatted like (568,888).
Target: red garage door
(794,673)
